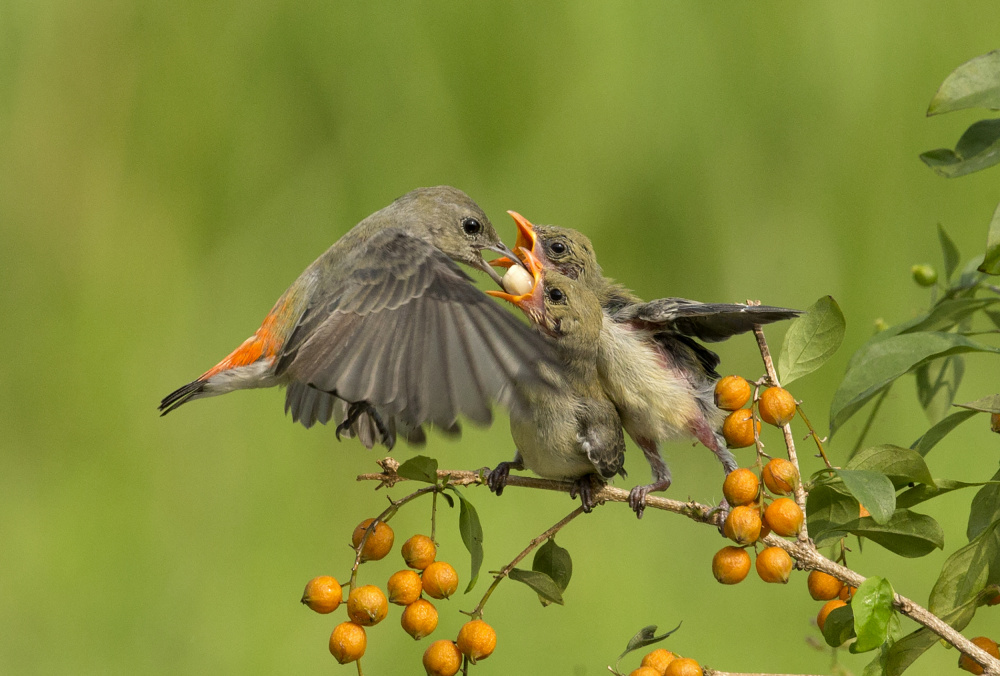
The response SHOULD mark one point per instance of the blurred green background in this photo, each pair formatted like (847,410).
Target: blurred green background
(167,169)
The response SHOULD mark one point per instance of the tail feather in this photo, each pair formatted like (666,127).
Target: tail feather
(181,395)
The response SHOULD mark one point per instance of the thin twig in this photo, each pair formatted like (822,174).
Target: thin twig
(812,433)
(477,612)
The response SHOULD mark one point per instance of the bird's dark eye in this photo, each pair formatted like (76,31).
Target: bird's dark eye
(558,247)
(557,296)
(472,226)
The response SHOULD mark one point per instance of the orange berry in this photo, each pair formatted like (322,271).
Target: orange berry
(828,608)
(847,593)
(439,580)
(738,428)
(658,659)
(442,658)
(323,594)
(645,671)
(987,644)
(419,618)
(995,422)
(776,406)
(366,605)
(378,543)
(740,487)
(774,565)
(993,600)
(404,587)
(476,640)
(862,512)
(683,666)
(784,517)
(742,526)
(348,642)
(823,586)
(780,476)
(730,565)
(731,393)
(419,552)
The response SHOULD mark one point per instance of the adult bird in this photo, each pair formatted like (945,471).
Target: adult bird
(384,331)
(572,433)
(650,365)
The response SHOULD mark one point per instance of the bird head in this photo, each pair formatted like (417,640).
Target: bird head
(456,225)
(564,249)
(559,306)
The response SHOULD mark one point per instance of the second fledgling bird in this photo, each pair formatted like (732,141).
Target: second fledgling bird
(571,433)
(660,379)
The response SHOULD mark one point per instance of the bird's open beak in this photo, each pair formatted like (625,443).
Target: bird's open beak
(531,303)
(526,239)
(506,258)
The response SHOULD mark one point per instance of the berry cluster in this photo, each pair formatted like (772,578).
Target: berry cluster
(662,662)
(755,512)
(367,605)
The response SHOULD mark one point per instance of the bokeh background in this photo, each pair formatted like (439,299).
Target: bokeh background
(167,169)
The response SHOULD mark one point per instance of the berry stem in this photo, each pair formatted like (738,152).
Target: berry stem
(358,662)
(434,508)
(812,432)
(800,492)
(477,613)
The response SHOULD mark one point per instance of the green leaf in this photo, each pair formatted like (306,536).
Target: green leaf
(966,572)
(901,465)
(877,667)
(555,562)
(931,437)
(873,490)
(990,404)
(991,260)
(985,508)
(472,536)
(645,637)
(827,512)
(948,251)
(978,149)
(937,382)
(419,468)
(974,84)
(943,316)
(839,626)
(872,604)
(811,339)
(907,533)
(907,649)
(543,585)
(922,493)
(881,362)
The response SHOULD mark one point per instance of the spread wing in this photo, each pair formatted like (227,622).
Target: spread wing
(404,329)
(711,322)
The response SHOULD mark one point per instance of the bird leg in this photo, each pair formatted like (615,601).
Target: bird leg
(717,445)
(497,479)
(661,477)
(359,408)
(586,487)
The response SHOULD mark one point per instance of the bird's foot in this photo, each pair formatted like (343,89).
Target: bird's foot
(722,509)
(359,408)
(587,488)
(637,496)
(497,479)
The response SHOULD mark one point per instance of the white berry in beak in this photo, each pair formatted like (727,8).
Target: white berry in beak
(518,281)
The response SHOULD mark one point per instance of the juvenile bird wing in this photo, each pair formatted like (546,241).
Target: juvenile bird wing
(399,325)
(711,322)
(601,437)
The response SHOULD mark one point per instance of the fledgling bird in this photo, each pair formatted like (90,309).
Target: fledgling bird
(385,331)
(572,433)
(650,365)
